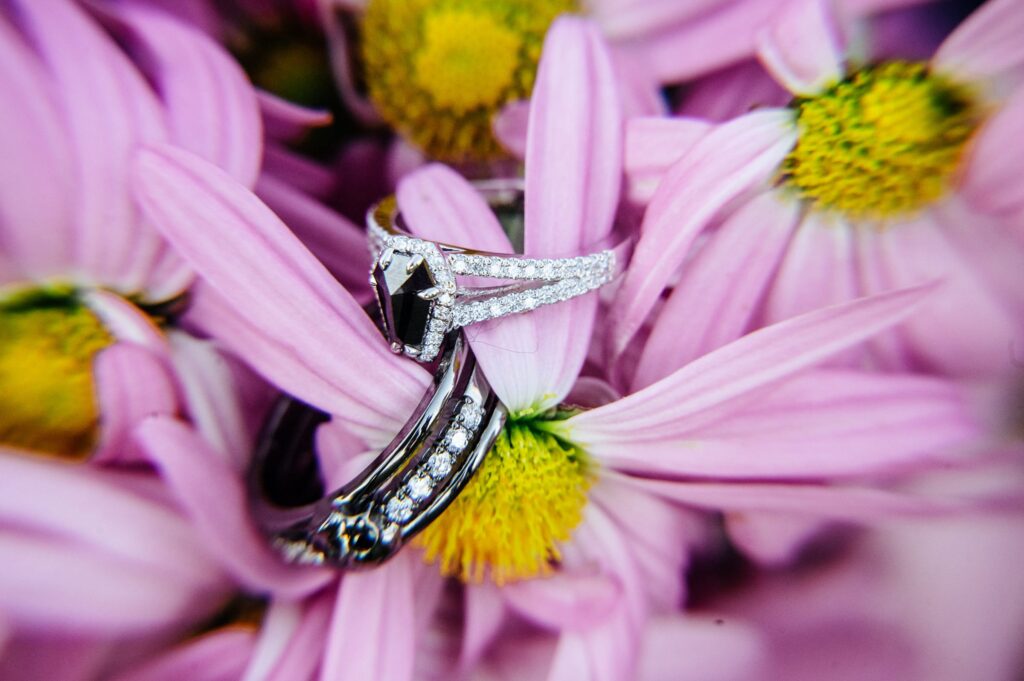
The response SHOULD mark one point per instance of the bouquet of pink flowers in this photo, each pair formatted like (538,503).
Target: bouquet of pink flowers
(423,340)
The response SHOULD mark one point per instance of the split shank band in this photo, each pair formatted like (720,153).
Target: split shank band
(443,443)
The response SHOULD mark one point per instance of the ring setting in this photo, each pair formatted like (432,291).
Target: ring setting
(415,281)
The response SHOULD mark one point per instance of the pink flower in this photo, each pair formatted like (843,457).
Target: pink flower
(731,430)
(78,104)
(769,180)
(90,557)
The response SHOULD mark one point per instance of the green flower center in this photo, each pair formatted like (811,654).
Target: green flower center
(439,70)
(48,340)
(528,496)
(884,142)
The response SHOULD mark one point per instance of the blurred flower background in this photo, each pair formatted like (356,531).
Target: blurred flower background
(786,445)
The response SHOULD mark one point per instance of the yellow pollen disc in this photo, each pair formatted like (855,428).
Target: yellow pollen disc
(467,60)
(439,70)
(506,524)
(884,142)
(47,344)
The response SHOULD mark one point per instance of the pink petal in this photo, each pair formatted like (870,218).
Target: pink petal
(314,179)
(37,655)
(822,423)
(211,106)
(967,329)
(640,90)
(986,46)
(608,649)
(64,587)
(732,92)
(573,178)
(716,297)
(211,398)
(653,145)
(510,126)
(92,76)
(36,173)
(721,166)
(484,616)
(440,205)
(803,48)
(989,248)
(214,498)
(819,269)
(336,242)
(285,121)
(716,649)
(218,656)
(125,321)
(132,383)
(370,635)
(716,38)
(108,517)
(660,545)
(991,176)
(772,539)
(574,146)
(627,18)
(847,503)
(565,601)
(760,359)
(303,650)
(302,317)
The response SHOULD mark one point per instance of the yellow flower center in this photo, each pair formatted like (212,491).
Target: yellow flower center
(506,524)
(438,70)
(884,142)
(48,340)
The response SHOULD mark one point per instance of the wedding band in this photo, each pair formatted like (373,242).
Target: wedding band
(415,279)
(406,487)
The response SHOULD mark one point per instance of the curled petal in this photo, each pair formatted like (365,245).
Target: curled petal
(803,49)
(986,47)
(703,388)
(303,319)
(719,291)
(133,384)
(722,165)
(213,496)
(820,424)
(210,105)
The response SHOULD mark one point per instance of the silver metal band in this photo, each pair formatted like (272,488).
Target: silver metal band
(529,282)
(405,488)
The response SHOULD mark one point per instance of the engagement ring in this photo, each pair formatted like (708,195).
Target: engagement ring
(416,280)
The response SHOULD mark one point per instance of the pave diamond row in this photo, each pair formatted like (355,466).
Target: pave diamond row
(523,301)
(420,483)
(552,269)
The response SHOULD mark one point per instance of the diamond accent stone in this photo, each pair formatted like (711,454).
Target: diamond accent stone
(439,464)
(399,508)
(419,487)
(457,440)
(470,415)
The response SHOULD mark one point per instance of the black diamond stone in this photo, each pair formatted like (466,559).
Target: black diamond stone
(405,313)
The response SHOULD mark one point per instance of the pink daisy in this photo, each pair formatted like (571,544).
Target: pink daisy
(730,430)
(84,279)
(877,176)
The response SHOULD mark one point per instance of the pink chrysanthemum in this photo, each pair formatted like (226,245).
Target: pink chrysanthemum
(877,176)
(82,276)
